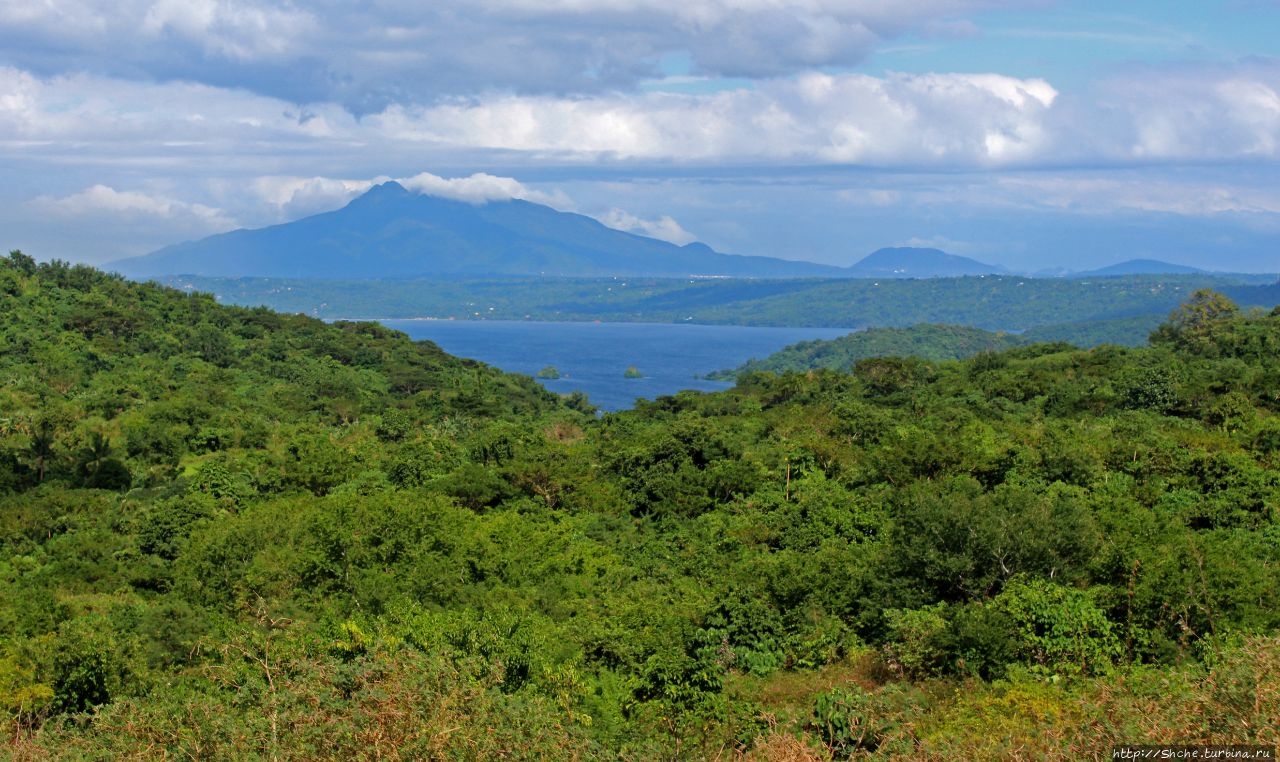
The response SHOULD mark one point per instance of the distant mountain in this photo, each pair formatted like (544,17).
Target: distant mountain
(907,262)
(1139,267)
(390,232)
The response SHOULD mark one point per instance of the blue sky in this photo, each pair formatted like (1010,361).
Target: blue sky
(1071,43)
(1028,133)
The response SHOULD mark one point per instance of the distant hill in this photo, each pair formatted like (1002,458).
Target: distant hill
(939,342)
(1139,267)
(997,302)
(927,342)
(908,262)
(1254,294)
(390,232)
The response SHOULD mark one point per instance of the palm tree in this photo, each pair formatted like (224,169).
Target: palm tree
(94,453)
(41,448)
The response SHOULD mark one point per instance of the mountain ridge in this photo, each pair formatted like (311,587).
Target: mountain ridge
(391,232)
(1139,267)
(915,262)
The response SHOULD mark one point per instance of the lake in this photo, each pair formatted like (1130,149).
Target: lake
(593,357)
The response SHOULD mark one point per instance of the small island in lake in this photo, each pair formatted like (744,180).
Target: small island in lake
(632,372)
(550,372)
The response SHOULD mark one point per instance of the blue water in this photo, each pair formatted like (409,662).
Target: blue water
(592,357)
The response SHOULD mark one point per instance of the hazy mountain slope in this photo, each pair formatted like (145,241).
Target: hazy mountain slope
(390,232)
(908,262)
(1140,267)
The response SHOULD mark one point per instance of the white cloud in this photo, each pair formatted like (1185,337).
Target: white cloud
(481,188)
(18,102)
(84,110)
(236,31)
(78,22)
(909,119)
(870,196)
(1083,193)
(368,55)
(949,245)
(899,120)
(1254,106)
(1096,193)
(85,30)
(104,201)
(905,120)
(1184,113)
(663,228)
(101,223)
(296,197)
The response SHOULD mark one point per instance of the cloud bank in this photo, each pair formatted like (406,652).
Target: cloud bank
(368,55)
(101,201)
(928,120)
(971,121)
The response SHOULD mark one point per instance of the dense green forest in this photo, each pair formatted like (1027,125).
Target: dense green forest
(230,533)
(1086,311)
(935,342)
(928,342)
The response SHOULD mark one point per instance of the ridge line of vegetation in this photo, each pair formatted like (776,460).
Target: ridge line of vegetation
(994,302)
(937,343)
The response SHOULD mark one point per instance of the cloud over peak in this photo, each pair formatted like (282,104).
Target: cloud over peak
(481,188)
(664,228)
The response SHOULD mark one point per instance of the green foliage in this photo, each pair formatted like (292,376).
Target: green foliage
(1152,388)
(230,533)
(915,640)
(852,722)
(957,542)
(25,701)
(216,480)
(1193,327)
(1059,629)
(417,463)
(89,666)
(394,425)
(928,342)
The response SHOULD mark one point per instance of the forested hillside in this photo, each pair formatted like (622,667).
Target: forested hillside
(936,342)
(1075,306)
(233,534)
(926,342)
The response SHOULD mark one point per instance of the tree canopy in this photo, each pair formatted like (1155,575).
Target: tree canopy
(234,533)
